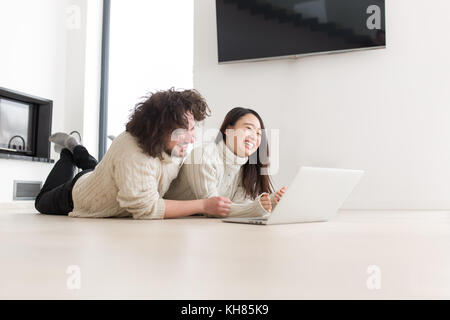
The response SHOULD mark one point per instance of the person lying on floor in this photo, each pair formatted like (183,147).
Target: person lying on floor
(137,169)
(234,166)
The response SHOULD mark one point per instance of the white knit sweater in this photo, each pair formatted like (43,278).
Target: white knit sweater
(214,170)
(127,182)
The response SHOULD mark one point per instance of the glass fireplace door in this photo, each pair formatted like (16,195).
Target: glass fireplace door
(16,126)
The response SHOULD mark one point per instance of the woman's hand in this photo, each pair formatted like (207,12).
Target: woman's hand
(217,206)
(278,195)
(264,200)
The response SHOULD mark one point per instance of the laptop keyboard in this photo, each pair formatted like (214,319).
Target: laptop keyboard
(257,221)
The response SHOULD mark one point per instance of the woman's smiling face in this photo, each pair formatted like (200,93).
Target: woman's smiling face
(244,137)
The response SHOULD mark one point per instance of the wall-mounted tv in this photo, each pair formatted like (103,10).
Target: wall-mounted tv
(263,29)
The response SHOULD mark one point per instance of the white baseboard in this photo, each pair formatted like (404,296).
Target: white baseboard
(17,207)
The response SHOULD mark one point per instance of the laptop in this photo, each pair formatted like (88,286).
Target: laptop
(316,194)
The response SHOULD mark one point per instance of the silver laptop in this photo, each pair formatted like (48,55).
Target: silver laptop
(316,194)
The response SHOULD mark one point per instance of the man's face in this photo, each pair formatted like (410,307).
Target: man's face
(181,138)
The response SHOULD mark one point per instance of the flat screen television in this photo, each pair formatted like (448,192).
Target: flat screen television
(264,29)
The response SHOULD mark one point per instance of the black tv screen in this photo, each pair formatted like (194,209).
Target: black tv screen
(261,29)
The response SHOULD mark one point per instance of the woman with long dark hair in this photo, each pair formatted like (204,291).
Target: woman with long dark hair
(235,166)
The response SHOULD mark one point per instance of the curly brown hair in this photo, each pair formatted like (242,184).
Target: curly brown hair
(155,118)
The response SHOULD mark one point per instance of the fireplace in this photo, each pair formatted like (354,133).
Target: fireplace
(25,125)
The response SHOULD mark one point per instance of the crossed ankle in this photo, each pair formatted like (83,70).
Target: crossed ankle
(64,140)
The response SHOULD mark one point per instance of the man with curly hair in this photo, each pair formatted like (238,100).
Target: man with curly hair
(136,171)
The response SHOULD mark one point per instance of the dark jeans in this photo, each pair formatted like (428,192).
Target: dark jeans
(55,196)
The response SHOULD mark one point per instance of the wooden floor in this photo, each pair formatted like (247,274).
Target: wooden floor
(357,255)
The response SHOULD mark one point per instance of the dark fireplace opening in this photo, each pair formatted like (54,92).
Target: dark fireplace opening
(25,125)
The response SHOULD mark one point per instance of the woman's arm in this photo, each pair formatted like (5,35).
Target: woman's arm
(244,206)
(202,180)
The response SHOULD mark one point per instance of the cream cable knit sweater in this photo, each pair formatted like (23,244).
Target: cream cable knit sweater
(214,170)
(127,182)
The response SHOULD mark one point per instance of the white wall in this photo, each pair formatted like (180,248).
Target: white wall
(384,111)
(42,56)
(32,60)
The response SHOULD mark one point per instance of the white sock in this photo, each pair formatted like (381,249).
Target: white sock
(71,143)
(64,140)
(58,138)
(58,148)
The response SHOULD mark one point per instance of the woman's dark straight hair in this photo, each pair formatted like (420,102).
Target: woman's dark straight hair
(254,173)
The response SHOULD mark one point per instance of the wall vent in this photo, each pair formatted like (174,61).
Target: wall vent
(26,190)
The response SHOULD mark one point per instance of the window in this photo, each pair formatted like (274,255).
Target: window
(150,48)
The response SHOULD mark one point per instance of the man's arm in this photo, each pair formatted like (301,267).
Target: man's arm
(217,206)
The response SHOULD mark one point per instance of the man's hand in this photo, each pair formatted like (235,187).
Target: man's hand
(217,206)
